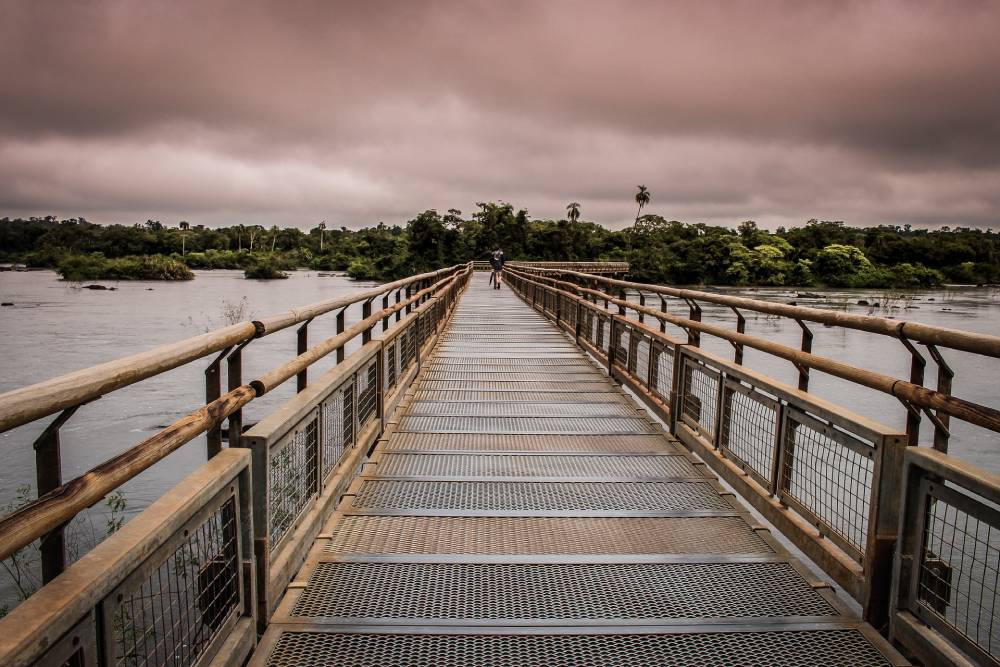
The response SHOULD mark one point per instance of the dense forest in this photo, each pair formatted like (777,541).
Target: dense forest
(662,251)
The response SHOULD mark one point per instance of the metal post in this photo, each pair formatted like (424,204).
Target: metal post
(366,312)
(624,297)
(917,366)
(213,389)
(741,325)
(642,302)
(408,295)
(48,476)
(611,347)
(302,379)
(399,313)
(807,346)
(663,309)
(340,330)
(385,306)
(694,314)
(944,377)
(234,374)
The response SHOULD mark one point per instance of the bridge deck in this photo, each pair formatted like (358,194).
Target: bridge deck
(524,511)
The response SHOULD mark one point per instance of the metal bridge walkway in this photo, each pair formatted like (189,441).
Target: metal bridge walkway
(524,511)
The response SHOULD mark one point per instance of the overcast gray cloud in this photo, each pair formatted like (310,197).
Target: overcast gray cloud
(289,113)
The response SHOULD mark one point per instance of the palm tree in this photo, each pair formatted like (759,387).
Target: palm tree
(274,236)
(322,231)
(573,212)
(641,198)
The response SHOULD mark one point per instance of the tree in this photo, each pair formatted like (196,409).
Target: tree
(573,212)
(254,231)
(641,198)
(322,231)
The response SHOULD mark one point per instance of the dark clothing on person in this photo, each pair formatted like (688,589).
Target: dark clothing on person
(497,261)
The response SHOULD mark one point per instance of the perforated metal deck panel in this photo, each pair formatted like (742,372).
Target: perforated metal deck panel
(471,424)
(508,465)
(521,442)
(766,648)
(605,591)
(533,397)
(507,409)
(611,497)
(367,534)
(522,511)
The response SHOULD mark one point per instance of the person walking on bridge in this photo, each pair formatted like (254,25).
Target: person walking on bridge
(497,260)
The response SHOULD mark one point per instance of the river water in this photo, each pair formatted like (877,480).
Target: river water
(55,327)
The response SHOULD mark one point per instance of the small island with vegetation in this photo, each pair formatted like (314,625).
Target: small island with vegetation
(816,254)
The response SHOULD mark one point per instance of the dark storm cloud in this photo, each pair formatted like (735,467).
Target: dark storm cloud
(355,112)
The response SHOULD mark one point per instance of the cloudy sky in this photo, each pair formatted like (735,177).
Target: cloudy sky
(354,112)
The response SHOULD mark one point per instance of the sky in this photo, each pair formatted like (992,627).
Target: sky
(290,113)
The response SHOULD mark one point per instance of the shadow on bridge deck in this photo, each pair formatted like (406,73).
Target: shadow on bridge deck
(523,511)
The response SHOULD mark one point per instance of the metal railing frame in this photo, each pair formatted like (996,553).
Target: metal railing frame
(865,572)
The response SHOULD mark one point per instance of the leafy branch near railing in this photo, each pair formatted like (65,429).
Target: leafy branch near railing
(23,567)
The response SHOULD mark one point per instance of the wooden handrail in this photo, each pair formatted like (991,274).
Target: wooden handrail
(966,341)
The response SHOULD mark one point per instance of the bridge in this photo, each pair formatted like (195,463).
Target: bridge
(538,475)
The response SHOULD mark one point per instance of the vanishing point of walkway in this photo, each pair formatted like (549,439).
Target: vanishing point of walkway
(524,511)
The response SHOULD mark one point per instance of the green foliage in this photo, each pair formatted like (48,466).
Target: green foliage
(265,269)
(96,267)
(658,250)
(23,568)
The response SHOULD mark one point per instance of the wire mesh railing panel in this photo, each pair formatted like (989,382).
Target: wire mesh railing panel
(959,568)
(407,350)
(292,477)
(604,333)
(171,616)
(367,391)
(336,425)
(828,474)
(662,382)
(749,430)
(699,395)
(390,365)
(641,356)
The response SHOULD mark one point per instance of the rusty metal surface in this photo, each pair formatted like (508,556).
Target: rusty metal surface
(522,511)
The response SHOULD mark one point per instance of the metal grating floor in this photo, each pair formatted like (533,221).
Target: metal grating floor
(788,648)
(607,591)
(479,424)
(510,465)
(521,511)
(388,494)
(368,534)
(507,409)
